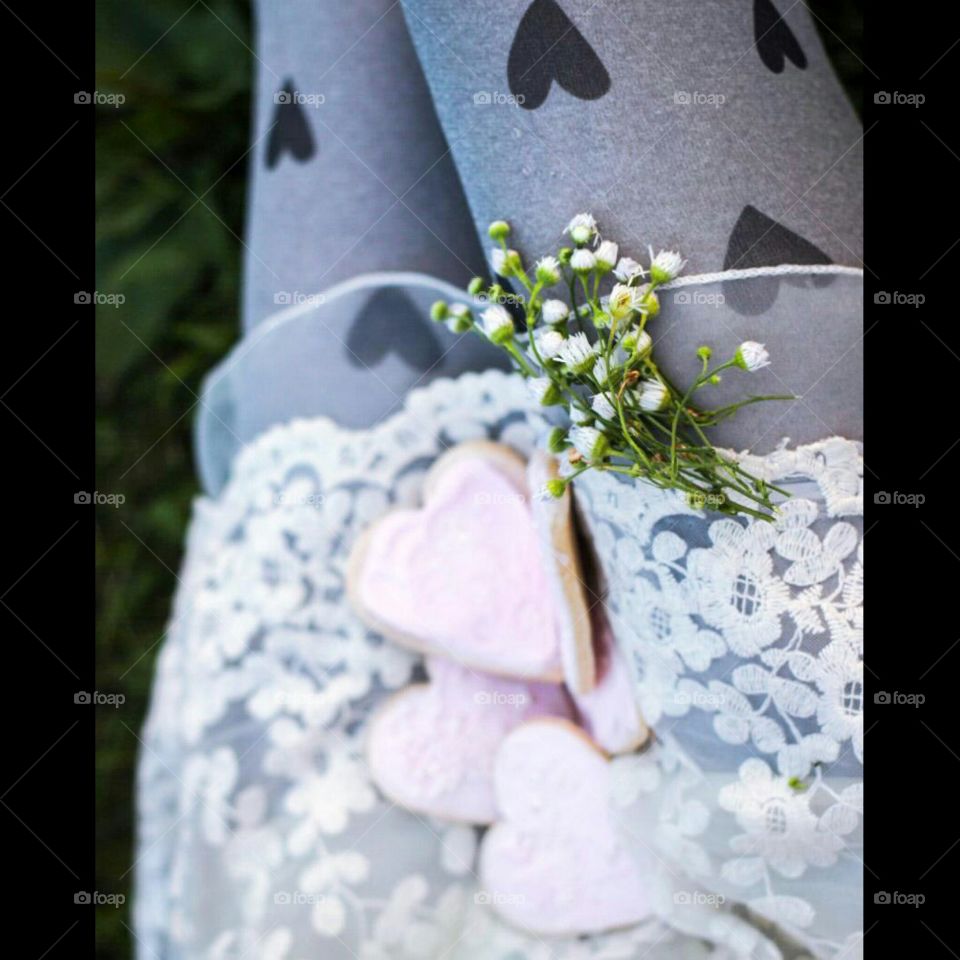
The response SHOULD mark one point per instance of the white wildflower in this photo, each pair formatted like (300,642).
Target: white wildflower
(590,442)
(623,300)
(548,271)
(555,311)
(497,323)
(549,343)
(577,354)
(606,255)
(581,228)
(628,269)
(752,356)
(602,407)
(582,261)
(665,265)
(653,396)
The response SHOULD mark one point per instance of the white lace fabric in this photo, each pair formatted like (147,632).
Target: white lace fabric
(261,832)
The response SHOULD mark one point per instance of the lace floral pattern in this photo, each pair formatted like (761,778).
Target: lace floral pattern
(261,833)
(745,639)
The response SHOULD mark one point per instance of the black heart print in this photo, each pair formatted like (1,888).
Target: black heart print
(759,241)
(391,323)
(774,39)
(549,47)
(290,132)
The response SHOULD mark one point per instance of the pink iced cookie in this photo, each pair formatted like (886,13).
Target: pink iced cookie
(431,748)
(553,865)
(463,577)
(609,713)
(561,556)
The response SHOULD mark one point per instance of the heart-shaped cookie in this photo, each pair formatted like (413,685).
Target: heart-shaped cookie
(431,748)
(609,712)
(464,576)
(554,864)
(553,518)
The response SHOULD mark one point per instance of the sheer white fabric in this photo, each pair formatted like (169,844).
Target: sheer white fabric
(746,643)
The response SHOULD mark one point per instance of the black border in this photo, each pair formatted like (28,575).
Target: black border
(46,407)
(912,253)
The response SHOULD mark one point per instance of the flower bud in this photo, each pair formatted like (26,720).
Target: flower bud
(498,230)
(548,271)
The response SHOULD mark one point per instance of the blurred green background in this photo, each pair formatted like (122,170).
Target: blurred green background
(171,186)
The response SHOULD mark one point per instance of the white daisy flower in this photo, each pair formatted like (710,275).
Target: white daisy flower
(665,265)
(643,343)
(543,391)
(752,356)
(577,354)
(590,442)
(602,407)
(653,395)
(549,343)
(497,323)
(628,269)
(505,262)
(602,370)
(555,311)
(579,416)
(582,261)
(548,271)
(581,228)
(623,300)
(606,255)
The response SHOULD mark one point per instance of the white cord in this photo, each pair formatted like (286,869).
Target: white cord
(750,273)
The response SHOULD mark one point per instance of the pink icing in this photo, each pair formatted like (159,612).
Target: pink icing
(609,712)
(432,748)
(465,574)
(555,865)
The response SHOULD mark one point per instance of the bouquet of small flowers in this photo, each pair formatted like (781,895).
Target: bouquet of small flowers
(593,356)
